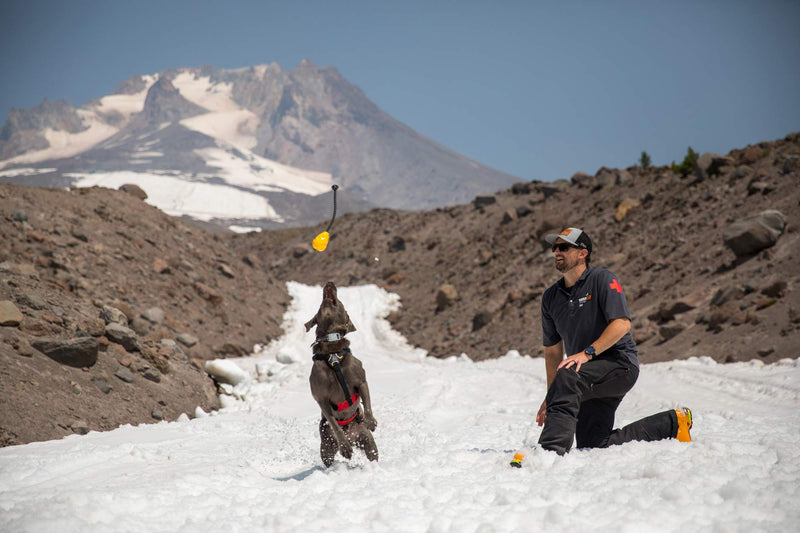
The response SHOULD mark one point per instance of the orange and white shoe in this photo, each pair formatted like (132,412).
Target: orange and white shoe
(684,424)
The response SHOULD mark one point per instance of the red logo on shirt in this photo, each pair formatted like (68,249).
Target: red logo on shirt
(616,286)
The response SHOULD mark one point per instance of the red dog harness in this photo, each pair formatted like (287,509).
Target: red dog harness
(341,406)
(334,361)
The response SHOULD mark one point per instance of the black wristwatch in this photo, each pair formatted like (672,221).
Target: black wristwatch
(590,352)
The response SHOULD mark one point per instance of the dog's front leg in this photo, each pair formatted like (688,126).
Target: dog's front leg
(345,448)
(369,418)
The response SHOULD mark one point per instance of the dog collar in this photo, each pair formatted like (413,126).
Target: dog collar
(330,337)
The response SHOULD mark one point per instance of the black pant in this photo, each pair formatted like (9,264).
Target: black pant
(581,405)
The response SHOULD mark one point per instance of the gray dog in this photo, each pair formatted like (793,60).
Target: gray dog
(335,371)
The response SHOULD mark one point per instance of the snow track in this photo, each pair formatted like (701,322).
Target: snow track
(446,431)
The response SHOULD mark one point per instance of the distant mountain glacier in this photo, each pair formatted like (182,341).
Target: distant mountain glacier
(255,146)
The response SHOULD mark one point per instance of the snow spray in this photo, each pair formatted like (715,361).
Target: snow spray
(320,242)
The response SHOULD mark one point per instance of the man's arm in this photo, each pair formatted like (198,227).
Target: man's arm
(552,358)
(615,330)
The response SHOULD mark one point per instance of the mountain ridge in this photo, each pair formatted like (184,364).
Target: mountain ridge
(322,128)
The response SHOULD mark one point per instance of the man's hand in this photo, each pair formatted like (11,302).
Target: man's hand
(540,416)
(574,360)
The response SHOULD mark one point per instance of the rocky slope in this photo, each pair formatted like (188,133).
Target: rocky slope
(471,276)
(129,302)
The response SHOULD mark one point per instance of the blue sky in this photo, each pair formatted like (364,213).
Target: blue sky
(536,89)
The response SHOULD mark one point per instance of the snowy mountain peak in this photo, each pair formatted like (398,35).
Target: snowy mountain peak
(276,139)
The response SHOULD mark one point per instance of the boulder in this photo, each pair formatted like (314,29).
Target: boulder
(187,339)
(9,314)
(509,215)
(678,306)
(397,244)
(626,206)
(549,189)
(112,315)
(481,319)
(124,373)
(79,353)
(750,235)
(483,201)
(580,178)
(522,188)
(160,266)
(710,164)
(669,331)
(134,190)
(446,296)
(33,301)
(154,315)
(207,293)
(122,335)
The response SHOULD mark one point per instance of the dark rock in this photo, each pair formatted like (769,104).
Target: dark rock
(446,296)
(101,383)
(776,289)
(758,187)
(226,270)
(134,190)
(124,373)
(78,353)
(522,188)
(481,319)
(753,234)
(668,331)
(299,250)
(187,339)
(79,427)
(710,164)
(483,201)
(581,178)
(678,306)
(152,374)
(722,296)
(397,244)
(33,301)
(122,335)
(549,189)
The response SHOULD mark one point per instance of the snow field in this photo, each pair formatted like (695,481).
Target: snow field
(446,431)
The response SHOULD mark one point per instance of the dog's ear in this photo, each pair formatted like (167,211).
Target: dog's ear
(310,324)
(350,327)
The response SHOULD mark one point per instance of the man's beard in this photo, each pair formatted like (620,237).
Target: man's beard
(565,264)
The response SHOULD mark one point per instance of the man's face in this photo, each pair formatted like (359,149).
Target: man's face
(567,256)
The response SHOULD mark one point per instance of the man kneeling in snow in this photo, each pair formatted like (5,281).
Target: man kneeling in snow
(586,312)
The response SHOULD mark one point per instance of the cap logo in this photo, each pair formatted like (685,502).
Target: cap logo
(566,232)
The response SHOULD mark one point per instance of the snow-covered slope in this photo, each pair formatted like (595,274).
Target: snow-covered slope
(447,429)
(228,181)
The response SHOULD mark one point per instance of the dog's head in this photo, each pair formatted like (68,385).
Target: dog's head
(331,317)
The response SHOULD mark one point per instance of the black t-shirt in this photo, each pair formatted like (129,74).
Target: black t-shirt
(579,315)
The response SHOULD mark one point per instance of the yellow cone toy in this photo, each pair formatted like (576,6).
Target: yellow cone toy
(320,242)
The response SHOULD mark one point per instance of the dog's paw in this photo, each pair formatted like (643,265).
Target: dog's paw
(346,449)
(370,422)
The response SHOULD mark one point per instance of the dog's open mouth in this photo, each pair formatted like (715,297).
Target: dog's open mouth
(329,293)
